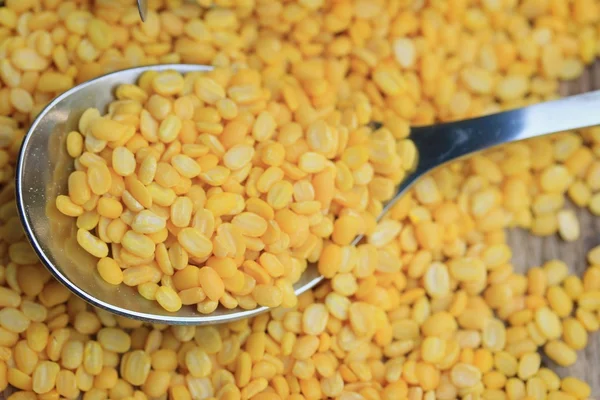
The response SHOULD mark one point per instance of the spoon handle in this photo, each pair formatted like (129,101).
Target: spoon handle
(142,8)
(438,144)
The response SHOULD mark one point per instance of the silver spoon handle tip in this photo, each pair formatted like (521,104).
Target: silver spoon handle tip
(142,8)
(441,143)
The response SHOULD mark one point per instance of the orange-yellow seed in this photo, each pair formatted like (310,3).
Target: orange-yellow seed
(110,271)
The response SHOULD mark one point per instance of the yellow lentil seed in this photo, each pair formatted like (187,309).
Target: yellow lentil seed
(44,376)
(560,353)
(92,244)
(529,365)
(110,271)
(109,207)
(79,191)
(138,244)
(576,387)
(211,282)
(433,349)
(123,161)
(574,333)
(107,129)
(168,299)
(99,178)
(74,144)
(233,141)
(66,206)
(550,378)
(548,323)
(135,367)
(194,242)
(465,376)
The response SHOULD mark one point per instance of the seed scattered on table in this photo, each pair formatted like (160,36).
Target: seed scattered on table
(271,158)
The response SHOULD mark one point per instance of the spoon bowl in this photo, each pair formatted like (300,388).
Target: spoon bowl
(43,167)
(42,170)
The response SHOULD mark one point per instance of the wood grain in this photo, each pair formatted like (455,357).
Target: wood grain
(530,251)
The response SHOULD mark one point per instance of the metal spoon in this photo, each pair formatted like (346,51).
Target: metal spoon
(43,168)
(143,8)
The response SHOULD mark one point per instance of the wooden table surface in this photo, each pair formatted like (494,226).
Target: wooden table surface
(530,251)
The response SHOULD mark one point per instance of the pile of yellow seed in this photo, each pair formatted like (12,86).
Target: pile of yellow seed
(208,186)
(430,307)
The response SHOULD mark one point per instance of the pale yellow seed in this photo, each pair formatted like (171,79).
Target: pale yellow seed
(110,271)
(194,242)
(21,100)
(264,126)
(181,212)
(314,319)
(169,129)
(238,156)
(433,349)
(138,244)
(529,365)
(66,206)
(548,323)
(568,225)
(107,129)
(560,353)
(148,222)
(185,165)
(147,170)
(208,90)
(465,375)
(168,299)
(44,376)
(123,161)
(198,362)
(437,280)
(168,83)
(114,339)
(92,244)
(311,162)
